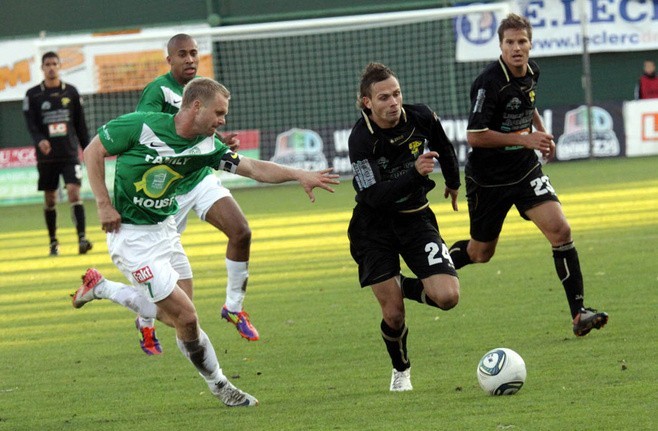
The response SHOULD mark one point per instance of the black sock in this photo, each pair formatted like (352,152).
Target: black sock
(50,215)
(412,288)
(567,266)
(459,254)
(78,216)
(396,344)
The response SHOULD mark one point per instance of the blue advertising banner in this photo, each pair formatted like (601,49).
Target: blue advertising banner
(558,26)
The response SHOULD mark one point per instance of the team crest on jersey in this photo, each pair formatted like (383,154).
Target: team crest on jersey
(144,274)
(66,101)
(414,148)
(157,180)
(532,96)
(513,104)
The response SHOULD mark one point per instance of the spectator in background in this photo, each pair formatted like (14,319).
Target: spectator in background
(647,85)
(56,122)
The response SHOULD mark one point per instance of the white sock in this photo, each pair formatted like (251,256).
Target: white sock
(146,322)
(128,296)
(237,275)
(201,354)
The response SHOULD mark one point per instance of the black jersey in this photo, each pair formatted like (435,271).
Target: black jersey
(505,104)
(383,160)
(56,114)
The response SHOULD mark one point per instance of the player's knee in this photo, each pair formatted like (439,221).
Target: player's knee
(562,234)
(239,237)
(481,255)
(448,297)
(450,301)
(394,318)
(188,322)
(441,291)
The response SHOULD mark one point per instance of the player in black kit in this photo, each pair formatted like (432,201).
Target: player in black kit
(392,217)
(504,170)
(55,119)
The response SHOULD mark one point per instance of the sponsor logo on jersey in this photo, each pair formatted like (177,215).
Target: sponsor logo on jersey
(153,203)
(142,275)
(513,104)
(57,129)
(159,160)
(157,180)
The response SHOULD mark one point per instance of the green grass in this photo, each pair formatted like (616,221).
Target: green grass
(321,364)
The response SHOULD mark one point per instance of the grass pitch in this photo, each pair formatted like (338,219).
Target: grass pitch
(320,363)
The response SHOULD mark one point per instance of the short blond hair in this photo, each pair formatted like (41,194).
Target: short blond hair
(203,89)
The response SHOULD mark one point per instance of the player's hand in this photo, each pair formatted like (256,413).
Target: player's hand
(541,141)
(45,147)
(453,196)
(109,218)
(425,163)
(322,179)
(230,140)
(548,155)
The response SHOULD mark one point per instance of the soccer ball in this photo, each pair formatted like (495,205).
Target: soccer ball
(501,371)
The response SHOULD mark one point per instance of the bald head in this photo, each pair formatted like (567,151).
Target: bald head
(183,57)
(178,40)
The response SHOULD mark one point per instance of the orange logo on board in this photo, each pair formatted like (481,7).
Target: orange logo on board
(12,75)
(650,126)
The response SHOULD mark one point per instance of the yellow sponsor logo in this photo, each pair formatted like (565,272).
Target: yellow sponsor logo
(157,180)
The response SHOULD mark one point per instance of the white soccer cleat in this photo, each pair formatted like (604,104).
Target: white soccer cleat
(85,293)
(232,396)
(401,380)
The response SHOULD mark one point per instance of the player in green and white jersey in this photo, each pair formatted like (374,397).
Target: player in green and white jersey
(155,151)
(202,192)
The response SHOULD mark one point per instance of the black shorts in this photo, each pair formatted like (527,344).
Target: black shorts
(378,239)
(488,205)
(49,174)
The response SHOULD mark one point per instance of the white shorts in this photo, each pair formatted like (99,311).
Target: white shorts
(199,199)
(150,256)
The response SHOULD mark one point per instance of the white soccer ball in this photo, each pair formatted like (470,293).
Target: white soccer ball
(501,371)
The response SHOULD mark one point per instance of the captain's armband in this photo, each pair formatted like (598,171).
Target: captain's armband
(229,162)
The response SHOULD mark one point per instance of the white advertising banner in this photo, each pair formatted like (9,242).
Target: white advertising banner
(557,28)
(641,124)
(19,68)
(95,63)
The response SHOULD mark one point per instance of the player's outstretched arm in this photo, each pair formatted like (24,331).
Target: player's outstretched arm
(273,173)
